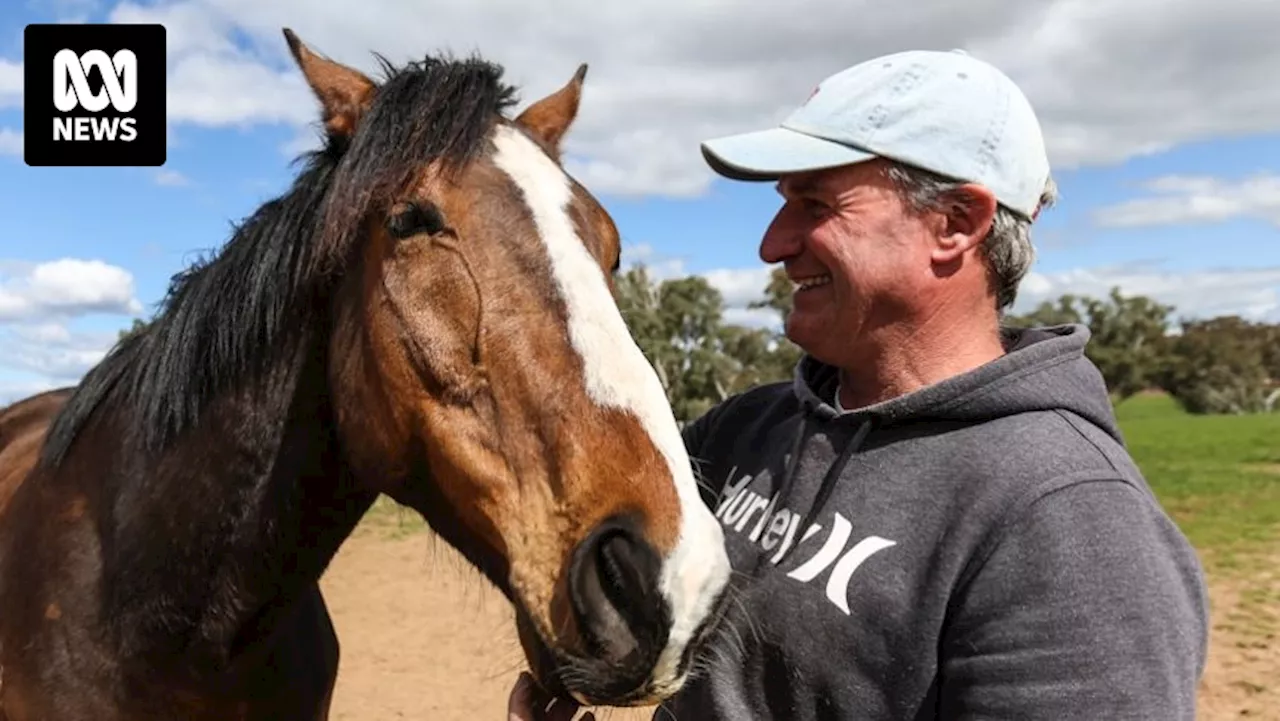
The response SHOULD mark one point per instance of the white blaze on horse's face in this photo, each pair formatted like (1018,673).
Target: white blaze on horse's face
(618,375)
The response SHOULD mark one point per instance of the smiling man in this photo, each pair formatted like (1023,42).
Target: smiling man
(937,517)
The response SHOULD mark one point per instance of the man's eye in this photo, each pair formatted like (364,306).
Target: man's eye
(815,208)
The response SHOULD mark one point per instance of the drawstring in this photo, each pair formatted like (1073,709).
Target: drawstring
(783,489)
(833,474)
(829,480)
(793,463)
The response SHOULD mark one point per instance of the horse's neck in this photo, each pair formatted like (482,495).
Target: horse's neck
(206,544)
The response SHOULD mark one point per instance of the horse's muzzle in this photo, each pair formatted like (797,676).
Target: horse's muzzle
(622,616)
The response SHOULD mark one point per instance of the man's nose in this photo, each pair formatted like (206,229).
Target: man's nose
(780,241)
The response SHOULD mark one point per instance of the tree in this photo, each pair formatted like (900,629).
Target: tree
(778,295)
(677,324)
(138,326)
(1127,340)
(783,354)
(639,301)
(756,356)
(1067,309)
(1223,365)
(700,359)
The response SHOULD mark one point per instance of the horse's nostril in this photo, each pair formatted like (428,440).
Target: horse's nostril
(614,591)
(620,566)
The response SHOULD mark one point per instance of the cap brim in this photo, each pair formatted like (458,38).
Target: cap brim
(768,154)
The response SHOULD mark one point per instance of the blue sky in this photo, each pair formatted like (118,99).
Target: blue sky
(1168,160)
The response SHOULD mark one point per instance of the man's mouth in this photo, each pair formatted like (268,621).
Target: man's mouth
(811,282)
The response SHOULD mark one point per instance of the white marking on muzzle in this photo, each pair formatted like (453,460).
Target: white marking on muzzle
(618,375)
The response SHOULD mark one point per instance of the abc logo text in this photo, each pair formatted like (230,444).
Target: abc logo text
(71,91)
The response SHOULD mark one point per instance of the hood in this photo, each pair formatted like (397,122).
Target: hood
(1044,368)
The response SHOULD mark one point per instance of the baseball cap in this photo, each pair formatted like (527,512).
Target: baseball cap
(942,111)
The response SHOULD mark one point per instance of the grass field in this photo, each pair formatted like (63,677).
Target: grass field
(1218,476)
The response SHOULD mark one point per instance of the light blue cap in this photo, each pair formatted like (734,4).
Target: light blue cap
(946,112)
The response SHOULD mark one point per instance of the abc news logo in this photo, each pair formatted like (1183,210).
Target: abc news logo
(71,90)
(94,95)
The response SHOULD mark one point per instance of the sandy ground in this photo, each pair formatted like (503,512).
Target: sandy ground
(424,637)
(1242,679)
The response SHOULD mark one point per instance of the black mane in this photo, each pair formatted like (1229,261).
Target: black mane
(233,316)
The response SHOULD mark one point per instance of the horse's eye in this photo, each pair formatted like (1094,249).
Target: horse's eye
(414,218)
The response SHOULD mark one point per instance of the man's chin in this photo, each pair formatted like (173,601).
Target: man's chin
(809,331)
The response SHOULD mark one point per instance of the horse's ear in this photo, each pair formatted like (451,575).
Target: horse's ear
(344,92)
(550,117)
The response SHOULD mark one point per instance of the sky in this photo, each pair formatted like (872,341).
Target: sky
(1160,116)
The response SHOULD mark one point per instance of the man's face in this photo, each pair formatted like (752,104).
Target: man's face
(856,252)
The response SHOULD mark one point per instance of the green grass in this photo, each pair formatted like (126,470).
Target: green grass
(393,520)
(1218,476)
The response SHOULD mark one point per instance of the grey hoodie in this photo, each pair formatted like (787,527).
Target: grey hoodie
(980,549)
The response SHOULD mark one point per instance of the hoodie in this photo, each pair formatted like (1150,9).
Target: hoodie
(982,548)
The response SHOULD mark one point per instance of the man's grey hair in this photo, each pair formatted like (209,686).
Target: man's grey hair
(1007,249)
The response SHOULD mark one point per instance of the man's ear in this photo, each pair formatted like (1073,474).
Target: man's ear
(965,220)
(344,93)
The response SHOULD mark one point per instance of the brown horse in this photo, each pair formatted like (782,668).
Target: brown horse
(427,313)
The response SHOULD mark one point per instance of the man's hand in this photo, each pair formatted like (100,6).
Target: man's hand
(529,703)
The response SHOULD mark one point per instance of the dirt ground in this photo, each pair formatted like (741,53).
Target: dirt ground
(1242,678)
(424,638)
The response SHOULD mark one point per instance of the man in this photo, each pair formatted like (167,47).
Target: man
(937,519)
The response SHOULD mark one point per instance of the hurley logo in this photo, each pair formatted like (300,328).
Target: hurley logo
(94,95)
(743,511)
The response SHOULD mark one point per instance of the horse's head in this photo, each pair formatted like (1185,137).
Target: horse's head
(484,376)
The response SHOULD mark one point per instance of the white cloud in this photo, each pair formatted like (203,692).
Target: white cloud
(305,140)
(223,90)
(668,73)
(66,11)
(1104,95)
(64,288)
(739,286)
(1180,199)
(52,350)
(1253,293)
(39,355)
(753,317)
(211,80)
(41,345)
(11,81)
(13,390)
(636,253)
(659,267)
(10,142)
(172,178)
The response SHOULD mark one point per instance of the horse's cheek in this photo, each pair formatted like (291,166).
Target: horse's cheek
(437,310)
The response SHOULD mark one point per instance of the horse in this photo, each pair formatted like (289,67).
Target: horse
(427,312)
